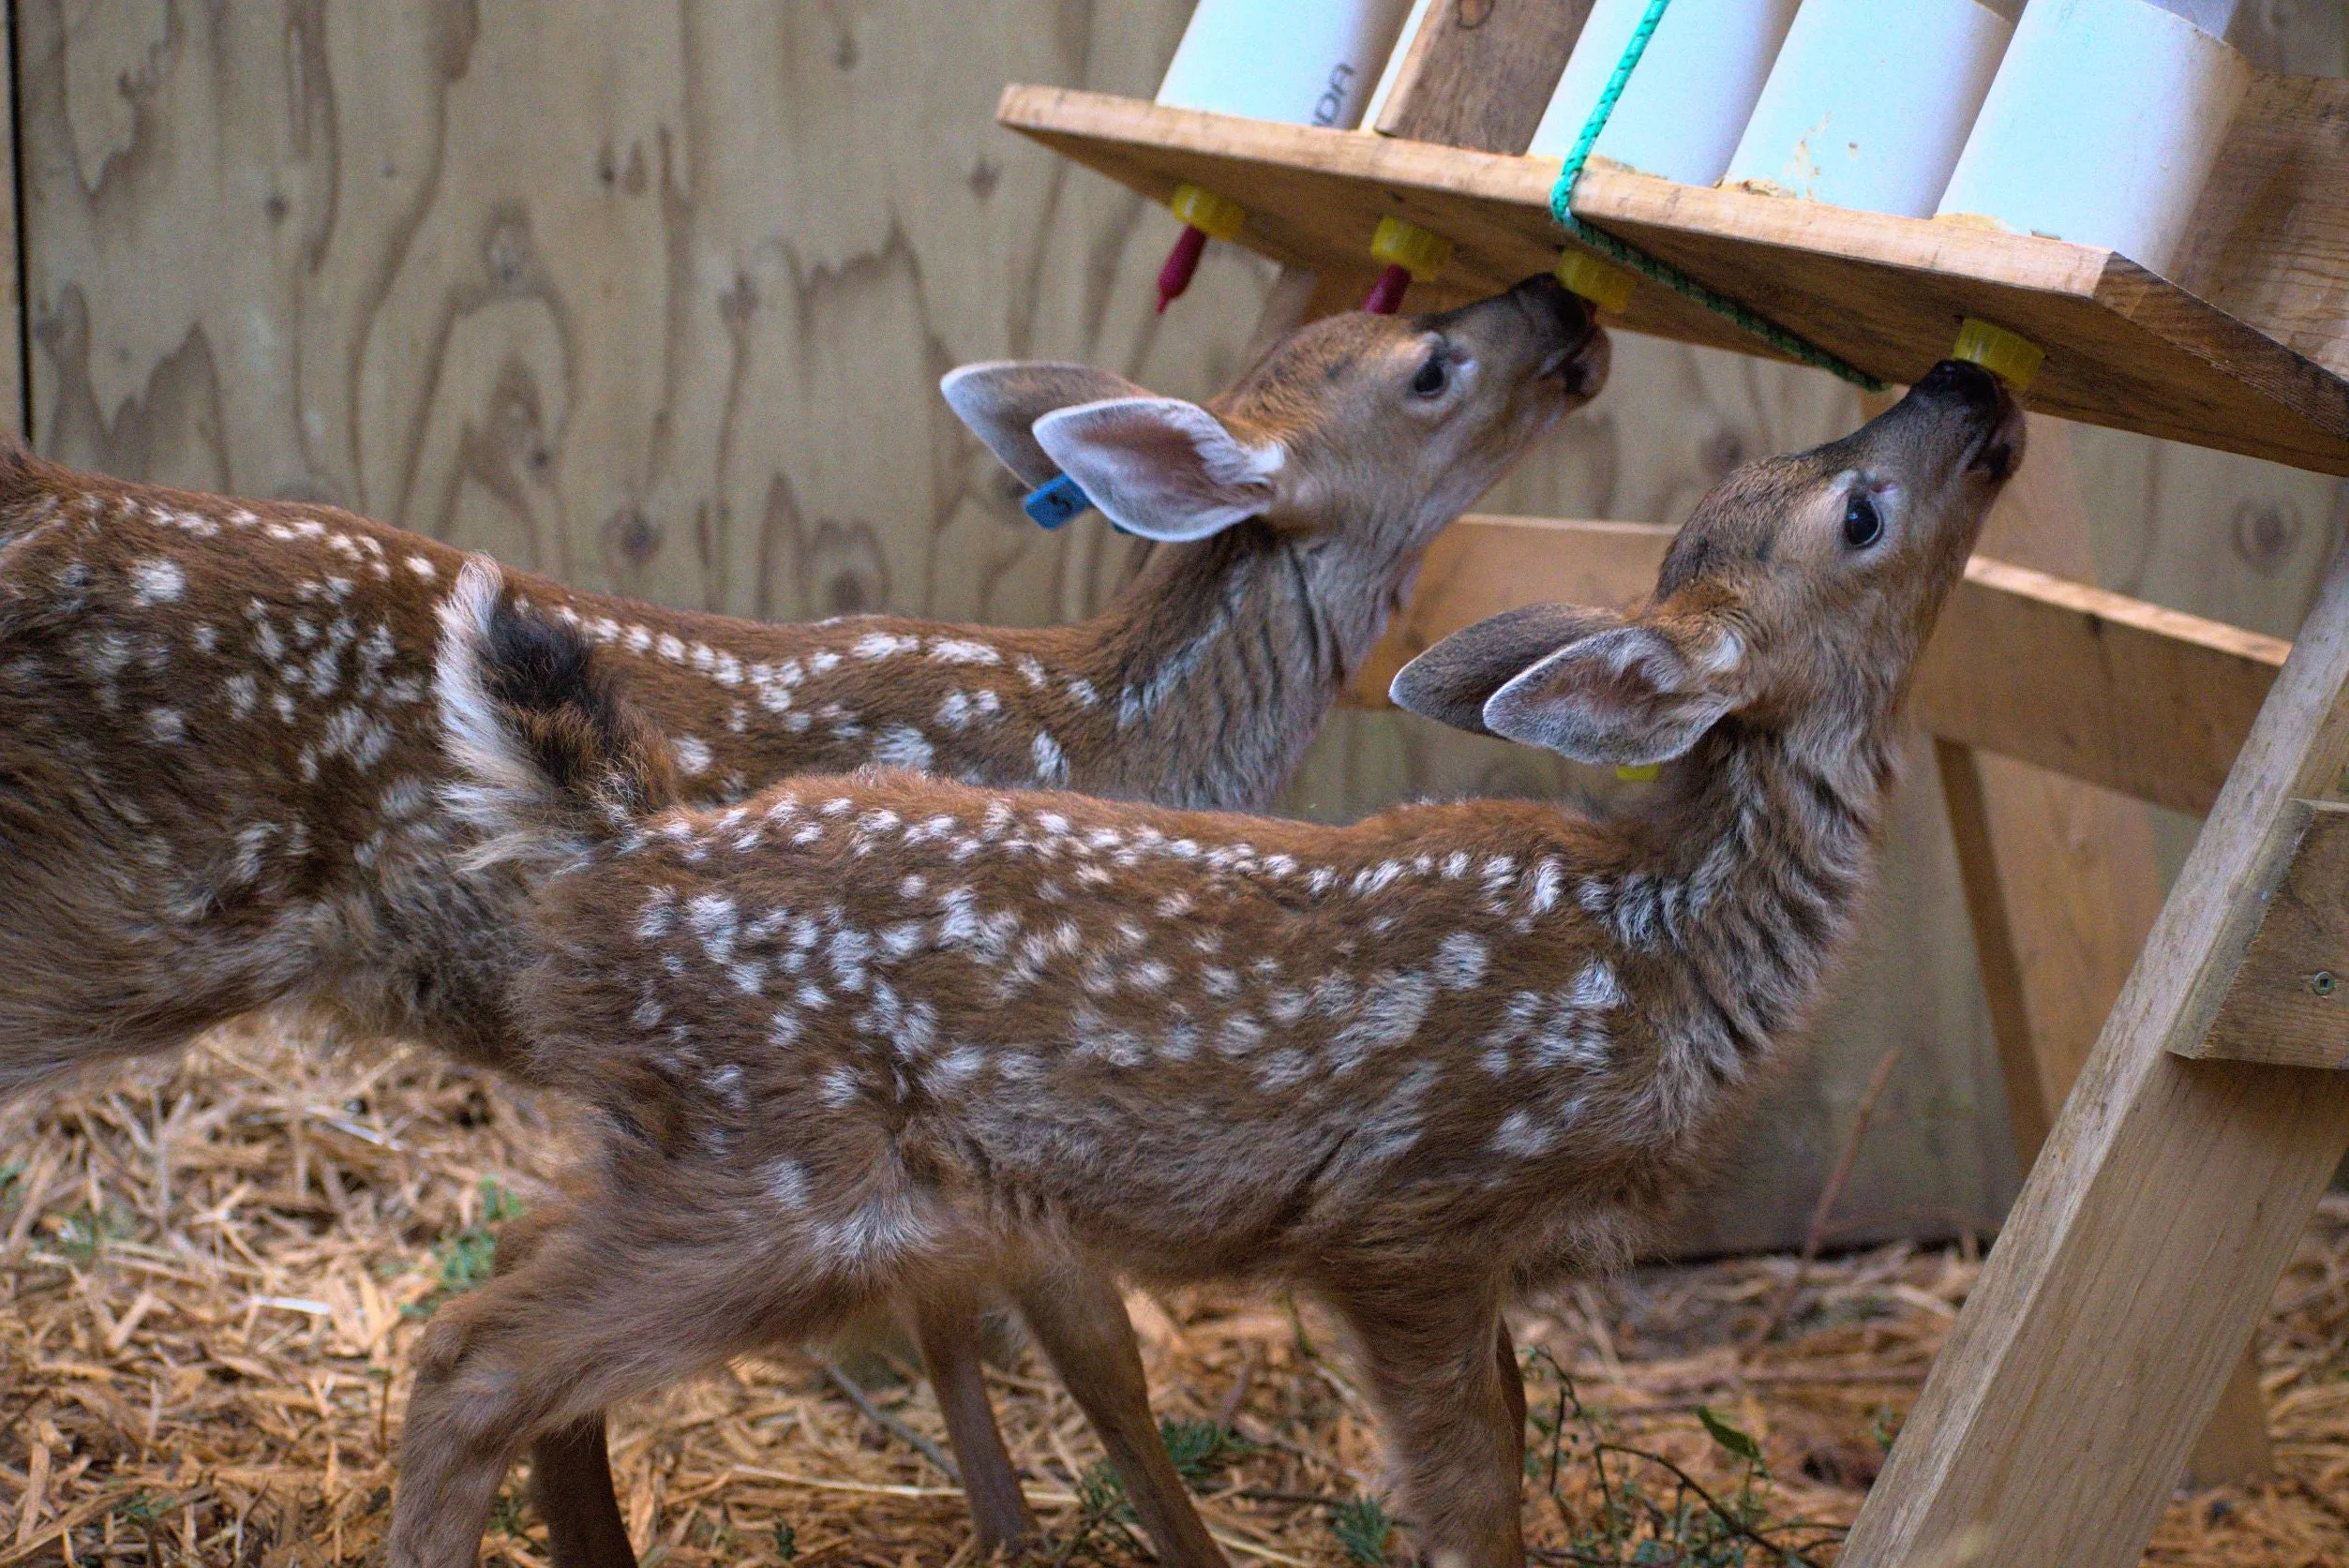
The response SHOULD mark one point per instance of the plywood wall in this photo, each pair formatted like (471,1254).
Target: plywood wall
(654,295)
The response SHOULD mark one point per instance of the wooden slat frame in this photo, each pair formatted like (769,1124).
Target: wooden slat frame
(2125,348)
(2107,1320)
(1478,73)
(2092,684)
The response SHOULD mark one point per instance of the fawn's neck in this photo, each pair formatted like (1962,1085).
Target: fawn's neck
(1757,853)
(1217,664)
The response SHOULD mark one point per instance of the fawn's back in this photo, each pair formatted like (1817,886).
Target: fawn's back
(217,754)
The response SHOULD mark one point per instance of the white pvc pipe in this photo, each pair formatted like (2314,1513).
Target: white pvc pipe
(1681,113)
(1306,62)
(2102,128)
(1870,101)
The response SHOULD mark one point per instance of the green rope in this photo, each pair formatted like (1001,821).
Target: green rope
(1606,245)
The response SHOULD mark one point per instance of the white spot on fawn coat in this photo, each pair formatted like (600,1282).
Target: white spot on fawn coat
(1051,766)
(159,581)
(902,746)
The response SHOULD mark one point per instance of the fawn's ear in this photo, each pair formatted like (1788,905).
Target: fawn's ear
(1002,400)
(1159,467)
(1451,681)
(1641,692)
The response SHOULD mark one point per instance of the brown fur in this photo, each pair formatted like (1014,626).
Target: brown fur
(871,1034)
(219,756)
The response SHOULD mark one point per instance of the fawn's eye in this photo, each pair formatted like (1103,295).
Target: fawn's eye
(1432,379)
(1864,525)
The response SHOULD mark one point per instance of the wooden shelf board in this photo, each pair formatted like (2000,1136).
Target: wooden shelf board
(2125,348)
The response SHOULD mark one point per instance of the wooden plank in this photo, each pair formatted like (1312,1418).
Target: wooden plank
(618,289)
(2125,348)
(2149,701)
(1315,196)
(2067,872)
(15,413)
(1471,76)
(2094,685)
(2269,240)
(2108,1318)
(2289,1002)
(1991,909)
(2063,882)
(1478,73)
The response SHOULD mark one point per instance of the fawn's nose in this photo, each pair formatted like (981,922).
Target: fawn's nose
(1962,381)
(1987,405)
(1582,357)
(1553,303)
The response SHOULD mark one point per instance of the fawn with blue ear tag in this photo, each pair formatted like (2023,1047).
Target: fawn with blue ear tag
(220,756)
(1409,1064)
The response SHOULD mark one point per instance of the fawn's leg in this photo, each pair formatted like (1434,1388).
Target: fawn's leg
(1512,1389)
(545,1348)
(571,1471)
(947,1324)
(571,1488)
(1428,1352)
(1076,1314)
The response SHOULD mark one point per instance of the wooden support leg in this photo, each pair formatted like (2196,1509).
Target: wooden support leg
(2062,887)
(2058,882)
(2146,1243)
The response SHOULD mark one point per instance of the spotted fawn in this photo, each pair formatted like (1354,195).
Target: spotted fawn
(870,1035)
(220,756)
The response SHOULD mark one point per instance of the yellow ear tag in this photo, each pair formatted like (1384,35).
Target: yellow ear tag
(1645,772)
(2014,359)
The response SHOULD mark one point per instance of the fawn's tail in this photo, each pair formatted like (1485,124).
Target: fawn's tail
(549,757)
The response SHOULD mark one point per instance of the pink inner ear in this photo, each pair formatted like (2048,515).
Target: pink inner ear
(1621,697)
(1157,467)
(1001,400)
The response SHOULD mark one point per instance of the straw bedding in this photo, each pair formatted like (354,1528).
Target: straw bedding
(213,1271)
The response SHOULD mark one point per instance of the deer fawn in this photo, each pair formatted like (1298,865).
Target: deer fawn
(218,754)
(872,1034)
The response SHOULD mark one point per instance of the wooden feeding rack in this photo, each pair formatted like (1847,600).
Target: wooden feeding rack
(2107,1332)
(2125,348)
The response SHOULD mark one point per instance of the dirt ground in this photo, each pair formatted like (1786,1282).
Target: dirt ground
(213,1271)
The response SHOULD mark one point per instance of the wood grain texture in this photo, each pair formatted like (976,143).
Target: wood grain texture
(2161,700)
(2063,882)
(1478,73)
(1314,197)
(1991,908)
(2125,348)
(2129,696)
(2153,1228)
(2269,240)
(2289,1002)
(652,297)
(12,407)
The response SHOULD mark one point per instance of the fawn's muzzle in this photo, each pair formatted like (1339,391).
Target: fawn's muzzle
(1582,358)
(1985,398)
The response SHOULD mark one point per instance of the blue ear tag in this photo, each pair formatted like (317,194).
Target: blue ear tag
(1056,501)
